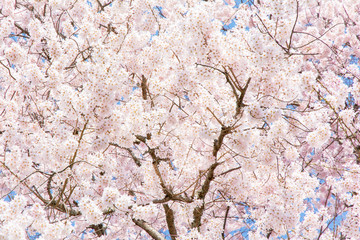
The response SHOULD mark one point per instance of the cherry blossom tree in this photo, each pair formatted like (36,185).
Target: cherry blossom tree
(154,119)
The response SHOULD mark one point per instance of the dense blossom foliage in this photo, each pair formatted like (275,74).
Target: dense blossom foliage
(154,119)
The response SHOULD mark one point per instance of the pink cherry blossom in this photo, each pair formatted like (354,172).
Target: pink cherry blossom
(179,119)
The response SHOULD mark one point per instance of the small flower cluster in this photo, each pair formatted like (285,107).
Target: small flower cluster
(318,137)
(90,210)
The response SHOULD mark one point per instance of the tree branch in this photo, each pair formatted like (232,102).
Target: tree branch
(8,71)
(170,220)
(136,159)
(149,229)
(240,102)
(226,215)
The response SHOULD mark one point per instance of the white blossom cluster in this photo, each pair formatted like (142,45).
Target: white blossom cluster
(91,210)
(318,137)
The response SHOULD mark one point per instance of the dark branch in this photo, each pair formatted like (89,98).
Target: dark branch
(144,87)
(170,220)
(240,102)
(136,159)
(218,142)
(226,215)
